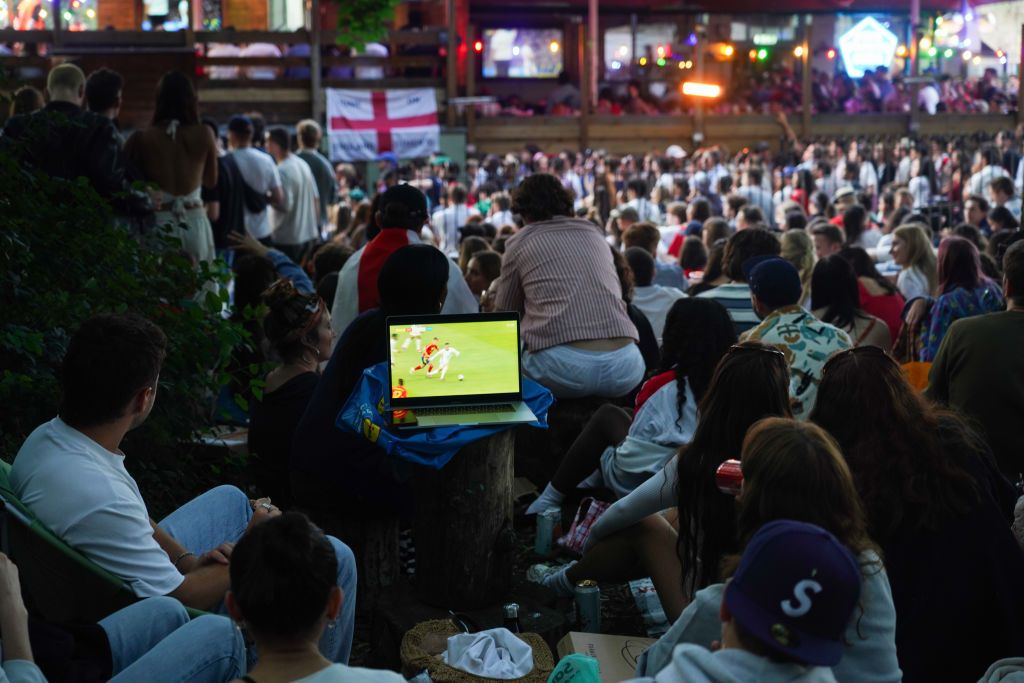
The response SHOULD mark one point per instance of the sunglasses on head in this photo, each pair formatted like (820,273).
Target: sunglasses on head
(865,351)
(757,347)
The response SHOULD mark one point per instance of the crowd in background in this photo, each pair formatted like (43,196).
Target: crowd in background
(784,308)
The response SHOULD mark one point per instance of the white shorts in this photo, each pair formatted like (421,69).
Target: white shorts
(570,372)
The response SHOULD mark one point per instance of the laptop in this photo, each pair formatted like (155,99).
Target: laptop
(449,370)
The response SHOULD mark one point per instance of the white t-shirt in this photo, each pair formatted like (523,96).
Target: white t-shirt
(261,73)
(446,224)
(912,283)
(654,302)
(260,173)
(82,492)
(339,673)
(296,222)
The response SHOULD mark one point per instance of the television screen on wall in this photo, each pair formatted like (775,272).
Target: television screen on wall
(522,52)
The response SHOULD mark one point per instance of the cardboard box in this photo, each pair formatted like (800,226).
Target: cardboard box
(616,655)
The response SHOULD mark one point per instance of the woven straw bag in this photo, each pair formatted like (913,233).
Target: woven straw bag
(432,636)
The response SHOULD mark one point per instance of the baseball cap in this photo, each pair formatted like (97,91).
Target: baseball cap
(774,280)
(795,591)
(240,124)
(408,196)
(675,152)
(387,156)
(844,193)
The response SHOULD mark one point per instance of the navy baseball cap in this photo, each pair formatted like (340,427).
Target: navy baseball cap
(795,591)
(774,280)
(240,124)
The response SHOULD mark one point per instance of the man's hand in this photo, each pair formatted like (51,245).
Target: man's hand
(10,587)
(219,555)
(244,243)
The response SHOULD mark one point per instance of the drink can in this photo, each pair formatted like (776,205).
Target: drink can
(549,525)
(729,477)
(588,606)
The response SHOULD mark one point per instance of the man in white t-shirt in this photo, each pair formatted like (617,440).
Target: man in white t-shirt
(295,223)
(70,473)
(446,223)
(261,73)
(654,301)
(260,175)
(986,169)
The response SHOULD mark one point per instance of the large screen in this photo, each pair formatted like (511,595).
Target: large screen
(454,359)
(522,53)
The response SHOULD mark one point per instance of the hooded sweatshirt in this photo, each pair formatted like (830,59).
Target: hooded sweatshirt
(694,664)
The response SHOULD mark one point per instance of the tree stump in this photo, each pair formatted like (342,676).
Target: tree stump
(463,526)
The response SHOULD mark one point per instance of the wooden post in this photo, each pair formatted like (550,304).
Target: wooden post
(58,28)
(590,56)
(805,88)
(463,526)
(586,89)
(316,93)
(914,124)
(451,68)
(190,25)
(470,82)
(1020,81)
(698,69)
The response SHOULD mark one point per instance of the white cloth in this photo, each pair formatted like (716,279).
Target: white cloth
(296,222)
(339,673)
(654,302)
(371,73)
(646,209)
(260,173)
(912,284)
(978,183)
(921,190)
(928,98)
(261,73)
(496,653)
(189,223)
(83,493)
(223,50)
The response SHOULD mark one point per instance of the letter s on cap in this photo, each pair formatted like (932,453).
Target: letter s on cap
(800,592)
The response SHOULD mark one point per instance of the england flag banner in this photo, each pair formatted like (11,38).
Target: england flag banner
(363,124)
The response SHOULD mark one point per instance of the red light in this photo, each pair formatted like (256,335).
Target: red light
(830,53)
(478,46)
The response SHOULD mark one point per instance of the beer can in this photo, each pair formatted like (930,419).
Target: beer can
(729,477)
(588,606)
(549,525)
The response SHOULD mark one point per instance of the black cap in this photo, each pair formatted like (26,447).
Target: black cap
(408,196)
(240,124)
(774,280)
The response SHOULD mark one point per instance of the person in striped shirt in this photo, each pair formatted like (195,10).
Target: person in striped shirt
(735,295)
(558,273)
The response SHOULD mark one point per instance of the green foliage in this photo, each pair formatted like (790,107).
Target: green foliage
(64,259)
(364,21)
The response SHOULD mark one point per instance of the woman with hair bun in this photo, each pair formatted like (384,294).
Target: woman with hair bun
(297,330)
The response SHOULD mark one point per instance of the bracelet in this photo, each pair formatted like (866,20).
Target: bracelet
(182,557)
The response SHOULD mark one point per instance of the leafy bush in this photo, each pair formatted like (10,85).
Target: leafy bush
(64,259)
(364,21)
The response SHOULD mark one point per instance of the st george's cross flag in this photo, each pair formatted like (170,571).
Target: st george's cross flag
(363,124)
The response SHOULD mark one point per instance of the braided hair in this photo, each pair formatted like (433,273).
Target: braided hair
(290,325)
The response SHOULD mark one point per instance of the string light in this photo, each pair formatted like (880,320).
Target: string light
(967,55)
(830,53)
(643,61)
(762,54)
(901,51)
(554,47)
(925,43)
(727,50)
(798,51)
(948,53)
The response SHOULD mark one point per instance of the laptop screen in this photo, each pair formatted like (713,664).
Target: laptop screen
(442,360)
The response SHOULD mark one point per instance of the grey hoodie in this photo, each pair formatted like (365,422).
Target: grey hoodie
(694,664)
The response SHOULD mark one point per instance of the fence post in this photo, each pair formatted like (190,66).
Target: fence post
(316,64)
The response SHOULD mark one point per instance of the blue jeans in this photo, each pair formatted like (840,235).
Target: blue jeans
(221,515)
(153,640)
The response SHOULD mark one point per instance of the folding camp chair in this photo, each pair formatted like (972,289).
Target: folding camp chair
(59,584)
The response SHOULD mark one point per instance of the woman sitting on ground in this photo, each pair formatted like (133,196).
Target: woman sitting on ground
(835,299)
(964,291)
(878,296)
(794,470)
(939,509)
(626,450)
(298,331)
(633,539)
(283,590)
(912,252)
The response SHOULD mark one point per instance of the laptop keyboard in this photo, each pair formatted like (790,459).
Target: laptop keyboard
(466,410)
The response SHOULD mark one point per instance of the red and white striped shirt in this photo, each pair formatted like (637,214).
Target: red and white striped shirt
(559,274)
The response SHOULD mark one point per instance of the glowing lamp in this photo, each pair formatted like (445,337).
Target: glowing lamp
(694,89)
(43,14)
(661,62)
(976,61)
(752,54)
(643,61)
(925,43)
(554,47)
(830,53)
(727,50)
(762,54)
(661,50)
(869,45)
(478,46)
(901,51)
(932,51)
(948,53)
(798,51)
(967,55)
(515,50)
(689,64)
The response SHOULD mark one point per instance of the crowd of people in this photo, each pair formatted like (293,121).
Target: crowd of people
(775,308)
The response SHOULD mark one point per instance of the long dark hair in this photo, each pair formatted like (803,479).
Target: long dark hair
(864,266)
(698,332)
(176,100)
(713,270)
(959,265)
(908,458)
(750,383)
(834,288)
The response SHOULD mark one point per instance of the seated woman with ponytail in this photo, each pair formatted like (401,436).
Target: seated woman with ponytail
(297,329)
(794,470)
